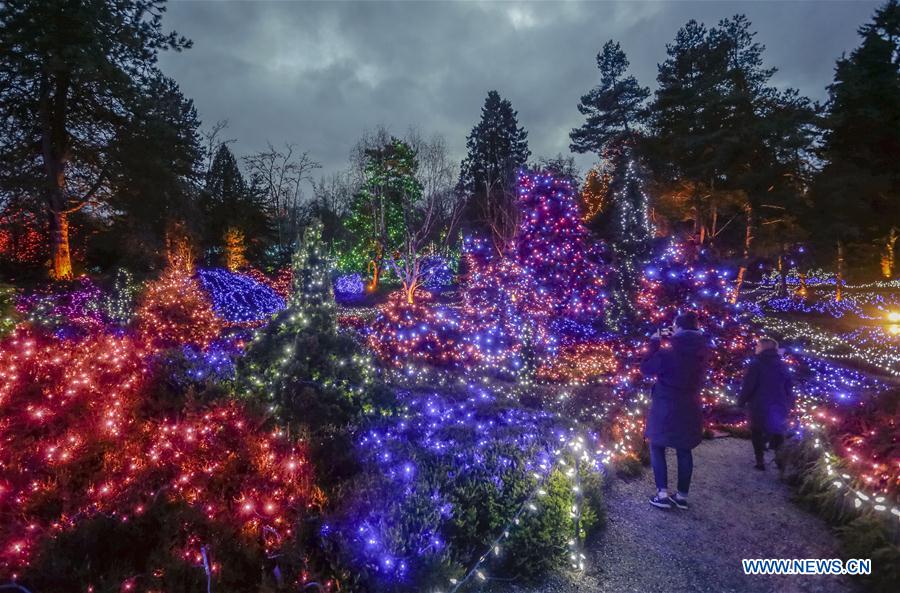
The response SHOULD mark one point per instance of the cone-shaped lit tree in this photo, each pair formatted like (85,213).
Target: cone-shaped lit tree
(315,379)
(631,233)
(554,247)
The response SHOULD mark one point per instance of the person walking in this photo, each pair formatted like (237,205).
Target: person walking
(679,360)
(768,391)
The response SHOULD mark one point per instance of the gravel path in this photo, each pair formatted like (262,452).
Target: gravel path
(737,512)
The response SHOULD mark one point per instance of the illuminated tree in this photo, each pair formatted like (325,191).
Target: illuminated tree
(554,247)
(316,379)
(235,249)
(629,229)
(594,194)
(311,285)
(174,310)
(376,214)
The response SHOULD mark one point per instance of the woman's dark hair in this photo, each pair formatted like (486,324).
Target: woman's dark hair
(688,320)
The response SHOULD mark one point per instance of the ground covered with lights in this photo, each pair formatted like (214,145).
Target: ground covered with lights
(242,430)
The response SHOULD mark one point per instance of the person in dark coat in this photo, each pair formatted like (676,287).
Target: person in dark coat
(675,419)
(768,391)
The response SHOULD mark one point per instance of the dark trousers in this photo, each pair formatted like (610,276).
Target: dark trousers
(761,438)
(661,472)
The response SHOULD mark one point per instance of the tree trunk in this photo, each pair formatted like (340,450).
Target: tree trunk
(55,154)
(748,243)
(839,276)
(697,222)
(59,243)
(887,256)
(782,274)
(374,271)
(802,291)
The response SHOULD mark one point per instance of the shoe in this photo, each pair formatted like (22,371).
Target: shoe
(760,466)
(679,502)
(661,503)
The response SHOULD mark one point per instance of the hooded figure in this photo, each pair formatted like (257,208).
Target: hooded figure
(675,418)
(768,391)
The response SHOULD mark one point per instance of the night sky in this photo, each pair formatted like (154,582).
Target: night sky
(319,74)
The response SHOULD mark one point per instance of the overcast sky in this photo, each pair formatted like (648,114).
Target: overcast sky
(320,73)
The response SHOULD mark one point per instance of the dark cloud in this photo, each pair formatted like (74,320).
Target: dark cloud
(320,73)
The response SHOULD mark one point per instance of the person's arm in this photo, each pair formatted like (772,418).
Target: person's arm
(789,388)
(748,386)
(652,363)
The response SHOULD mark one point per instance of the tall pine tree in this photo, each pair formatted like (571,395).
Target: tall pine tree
(857,195)
(155,176)
(497,148)
(229,203)
(613,108)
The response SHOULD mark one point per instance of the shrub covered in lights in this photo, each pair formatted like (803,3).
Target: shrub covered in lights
(238,298)
(174,310)
(118,304)
(671,283)
(464,486)
(74,308)
(423,332)
(189,376)
(84,446)
(349,288)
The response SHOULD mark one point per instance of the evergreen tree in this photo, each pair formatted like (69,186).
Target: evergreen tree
(613,108)
(553,247)
(497,147)
(628,225)
(72,73)
(228,202)
(857,195)
(377,214)
(315,379)
(312,291)
(722,130)
(154,176)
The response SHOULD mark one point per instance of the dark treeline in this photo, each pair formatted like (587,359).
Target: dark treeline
(101,156)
